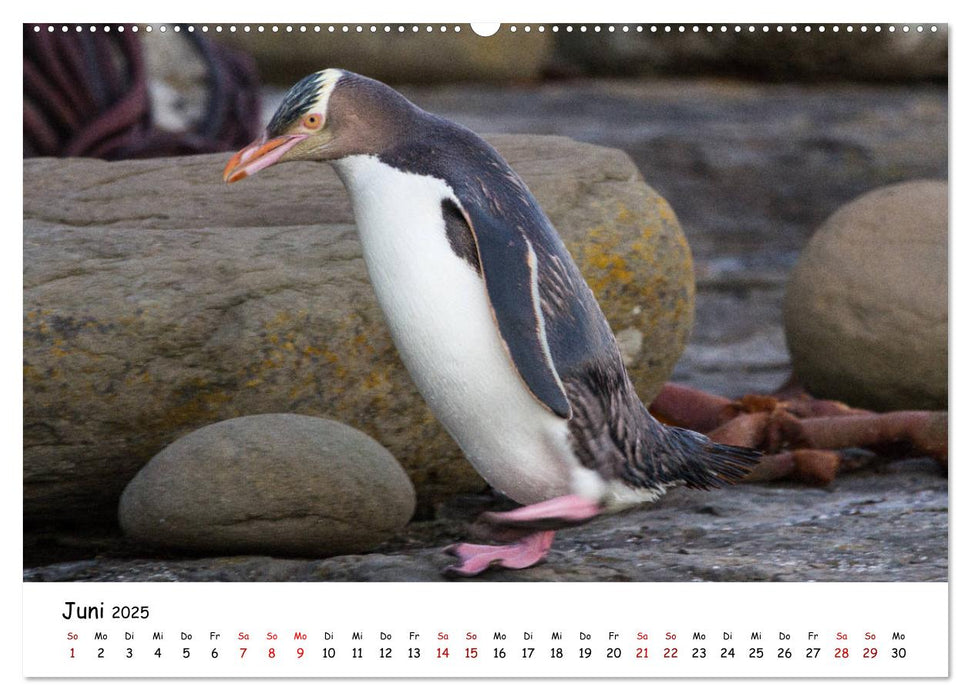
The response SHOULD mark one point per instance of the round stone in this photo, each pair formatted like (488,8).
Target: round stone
(274,484)
(866,305)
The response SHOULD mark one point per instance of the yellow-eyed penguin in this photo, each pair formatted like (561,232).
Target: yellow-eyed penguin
(490,315)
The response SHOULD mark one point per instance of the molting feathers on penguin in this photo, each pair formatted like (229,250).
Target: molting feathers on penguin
(491,316)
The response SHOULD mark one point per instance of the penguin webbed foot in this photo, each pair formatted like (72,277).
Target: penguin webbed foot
(540,519)
(523,553)
(554,514)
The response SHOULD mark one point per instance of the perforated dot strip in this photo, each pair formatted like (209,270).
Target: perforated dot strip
(513,28)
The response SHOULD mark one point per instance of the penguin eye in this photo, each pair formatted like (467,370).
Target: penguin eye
(312,121)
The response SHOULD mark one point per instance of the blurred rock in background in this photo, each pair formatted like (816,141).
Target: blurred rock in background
(413,54)
(849,53)
(866,306)
(395,56)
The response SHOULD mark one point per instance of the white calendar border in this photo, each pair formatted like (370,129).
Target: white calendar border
(508,10)
(638,630)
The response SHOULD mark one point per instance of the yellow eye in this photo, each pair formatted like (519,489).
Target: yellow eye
(312,121)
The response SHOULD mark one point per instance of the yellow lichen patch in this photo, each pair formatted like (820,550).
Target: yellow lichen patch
(57,348)
(363,343)
(307,387)
(624,215)
(666,213)
(376,378)
(339,370)
(603,266)
(142,377)
(198,410)
(282,318)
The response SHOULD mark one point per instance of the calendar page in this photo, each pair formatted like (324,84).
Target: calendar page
(460,351)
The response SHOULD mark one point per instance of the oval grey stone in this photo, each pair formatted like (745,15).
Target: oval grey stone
(272,483)
(866,305)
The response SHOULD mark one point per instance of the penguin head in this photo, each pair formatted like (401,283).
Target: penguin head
(327,115)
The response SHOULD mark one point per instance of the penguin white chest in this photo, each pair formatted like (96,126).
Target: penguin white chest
(437,308)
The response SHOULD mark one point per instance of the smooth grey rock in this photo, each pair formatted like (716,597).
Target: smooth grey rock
(158,299)
(866,306)
(274,483)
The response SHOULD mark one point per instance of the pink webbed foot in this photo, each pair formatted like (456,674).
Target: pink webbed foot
(476,558)
(553,514)
(541,518)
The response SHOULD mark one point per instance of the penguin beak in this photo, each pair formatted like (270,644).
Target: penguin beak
(260,154)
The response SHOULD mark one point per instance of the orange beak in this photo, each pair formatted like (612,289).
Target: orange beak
(258,155)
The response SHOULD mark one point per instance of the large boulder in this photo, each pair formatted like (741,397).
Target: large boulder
(274,484)
(866,305)
(158,300)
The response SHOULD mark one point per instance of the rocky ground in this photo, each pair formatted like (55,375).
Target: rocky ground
(886,525)
(750,170)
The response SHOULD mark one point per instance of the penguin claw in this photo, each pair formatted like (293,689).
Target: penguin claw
(476,558)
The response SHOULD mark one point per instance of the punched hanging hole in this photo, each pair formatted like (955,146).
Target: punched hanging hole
(485,28)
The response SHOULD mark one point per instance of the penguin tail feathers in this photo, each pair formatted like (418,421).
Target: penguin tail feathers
(701,463)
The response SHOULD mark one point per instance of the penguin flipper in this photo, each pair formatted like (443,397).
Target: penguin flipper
(510,269)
